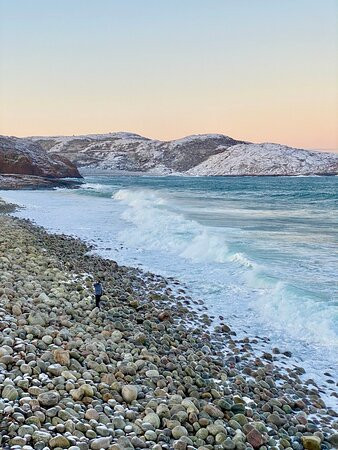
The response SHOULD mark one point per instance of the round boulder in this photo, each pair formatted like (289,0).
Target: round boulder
(129,393)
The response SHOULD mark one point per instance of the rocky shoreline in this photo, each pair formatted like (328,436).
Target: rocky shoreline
(16,181)
(144,371)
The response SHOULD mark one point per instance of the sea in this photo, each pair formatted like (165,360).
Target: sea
(260,251)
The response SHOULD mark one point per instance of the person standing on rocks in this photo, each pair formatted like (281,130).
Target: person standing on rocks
(98,292)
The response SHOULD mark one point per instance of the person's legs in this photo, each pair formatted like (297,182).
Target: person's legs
(97,298)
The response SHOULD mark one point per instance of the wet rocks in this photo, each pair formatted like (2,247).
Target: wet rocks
(276,419)
(164,315)
(91,413)
(129,376)
(333,439)
(116,336)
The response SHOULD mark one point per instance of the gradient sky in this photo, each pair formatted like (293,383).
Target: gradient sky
(261,70)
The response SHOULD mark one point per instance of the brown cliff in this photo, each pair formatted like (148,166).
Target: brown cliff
(24,157)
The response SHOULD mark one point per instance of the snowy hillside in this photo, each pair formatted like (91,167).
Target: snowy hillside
(267,159)
(205,154)
(127,151)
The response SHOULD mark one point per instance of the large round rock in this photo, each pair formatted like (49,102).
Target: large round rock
(129,393)
(51,398)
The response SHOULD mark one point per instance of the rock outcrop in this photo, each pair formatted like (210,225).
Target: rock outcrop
(15,181)
(206,154)
(25,157)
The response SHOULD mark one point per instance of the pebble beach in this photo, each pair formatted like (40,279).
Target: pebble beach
(146,370)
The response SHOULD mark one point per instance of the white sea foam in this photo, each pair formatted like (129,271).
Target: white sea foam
(96,187)
(292,310)
(241,259)
(157,226)
(298,315)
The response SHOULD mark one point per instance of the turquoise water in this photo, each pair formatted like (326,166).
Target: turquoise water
(261,251)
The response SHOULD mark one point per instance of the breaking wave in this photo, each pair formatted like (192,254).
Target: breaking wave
(158,225)
(159,228)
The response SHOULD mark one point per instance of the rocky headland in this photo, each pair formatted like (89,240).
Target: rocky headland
(148,370)
(14,181)
(25,164)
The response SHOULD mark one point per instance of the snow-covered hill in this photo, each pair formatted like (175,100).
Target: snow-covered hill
(267,159)
(205,154)
(131,152)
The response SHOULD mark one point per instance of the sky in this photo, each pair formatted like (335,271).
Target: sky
(259,70)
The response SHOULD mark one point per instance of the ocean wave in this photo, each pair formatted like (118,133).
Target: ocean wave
(96,187)
(292,310)
(135,198)
(243,260)
(158,226)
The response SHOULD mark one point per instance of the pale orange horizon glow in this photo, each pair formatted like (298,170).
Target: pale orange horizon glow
(168,70)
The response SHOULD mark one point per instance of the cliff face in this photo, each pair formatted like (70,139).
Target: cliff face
(24,157)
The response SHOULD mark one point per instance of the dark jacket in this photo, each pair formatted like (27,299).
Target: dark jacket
(98,289)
